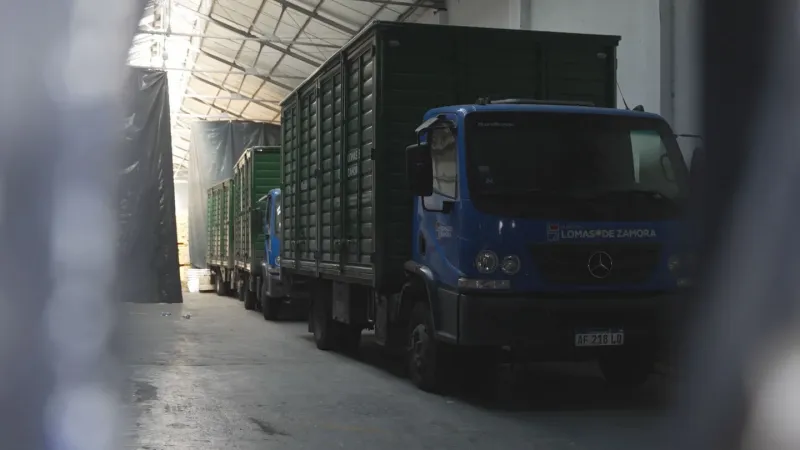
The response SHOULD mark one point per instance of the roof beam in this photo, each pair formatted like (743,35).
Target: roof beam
(220,108)
(433,4)
(242,69)
(240,32)
(295,55)
(315,15)
(142,34)
(439,5)
(231,91)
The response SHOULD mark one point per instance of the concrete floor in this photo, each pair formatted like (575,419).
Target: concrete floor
(223,378)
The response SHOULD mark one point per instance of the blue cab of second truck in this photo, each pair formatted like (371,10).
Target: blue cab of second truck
(550,198)
(272,228)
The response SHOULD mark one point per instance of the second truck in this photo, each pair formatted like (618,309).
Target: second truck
(236,251)
(471,193)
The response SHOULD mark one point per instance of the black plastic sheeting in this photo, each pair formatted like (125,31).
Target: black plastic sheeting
(214,148)
(148,242)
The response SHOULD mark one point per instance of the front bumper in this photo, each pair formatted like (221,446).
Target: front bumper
(549,322)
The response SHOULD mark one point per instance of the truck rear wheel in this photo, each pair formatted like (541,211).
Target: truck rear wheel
(221,289)
(425,355)
(240,288)
(349,338)
(325,329)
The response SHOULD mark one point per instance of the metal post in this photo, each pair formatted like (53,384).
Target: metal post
(745,312)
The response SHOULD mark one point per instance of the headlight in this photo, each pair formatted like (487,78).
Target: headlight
(510,264)
(486,261)
(277,260)
(674,263)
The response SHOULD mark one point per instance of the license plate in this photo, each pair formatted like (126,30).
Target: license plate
(599,338)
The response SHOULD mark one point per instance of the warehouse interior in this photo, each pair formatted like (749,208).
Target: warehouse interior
(233,60)
(208,374)
(488,318)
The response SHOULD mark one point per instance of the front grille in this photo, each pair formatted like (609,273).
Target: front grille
(568,263)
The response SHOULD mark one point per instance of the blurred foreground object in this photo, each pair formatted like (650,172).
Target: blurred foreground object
(740,388)
(60,124)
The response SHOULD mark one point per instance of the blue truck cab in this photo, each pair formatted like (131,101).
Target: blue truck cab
(276,293)
(553,230)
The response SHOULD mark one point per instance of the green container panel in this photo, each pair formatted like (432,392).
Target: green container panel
(220,232)
(256,172)
(347,210)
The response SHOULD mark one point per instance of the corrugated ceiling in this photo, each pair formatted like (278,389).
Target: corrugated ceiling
(237,59)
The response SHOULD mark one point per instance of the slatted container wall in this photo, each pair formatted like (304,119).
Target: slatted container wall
(219,224)
(256,173)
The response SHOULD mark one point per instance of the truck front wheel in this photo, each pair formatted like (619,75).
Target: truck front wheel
(248,296)
(249,299)
(270,307)
(425,356)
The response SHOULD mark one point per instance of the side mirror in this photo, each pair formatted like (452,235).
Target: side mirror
(419,169)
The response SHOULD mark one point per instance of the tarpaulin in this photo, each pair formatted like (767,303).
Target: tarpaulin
(214,148)
(148,253)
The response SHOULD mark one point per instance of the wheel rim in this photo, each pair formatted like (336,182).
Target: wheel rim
(419,348)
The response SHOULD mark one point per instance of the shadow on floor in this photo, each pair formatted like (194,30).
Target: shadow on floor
(536,387)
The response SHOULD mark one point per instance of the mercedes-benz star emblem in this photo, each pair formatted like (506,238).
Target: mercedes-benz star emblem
(600,264)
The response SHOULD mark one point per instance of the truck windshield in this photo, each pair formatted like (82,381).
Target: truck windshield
(554,164)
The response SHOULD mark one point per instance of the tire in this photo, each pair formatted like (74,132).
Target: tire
(426,365)
(240,291)
(250,300)
(248,297)
(221,289)
(626,370)
(325,329)
(270,307)
(349,338)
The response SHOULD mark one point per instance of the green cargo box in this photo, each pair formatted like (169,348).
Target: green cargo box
(347,210)
(219,225)
(256,173)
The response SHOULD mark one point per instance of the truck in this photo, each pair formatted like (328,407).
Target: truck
(474,196)
(235,230)
(219,212)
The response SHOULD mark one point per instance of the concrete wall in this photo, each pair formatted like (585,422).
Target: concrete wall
(658,58)
(476,13)
(637,21)
(686,70)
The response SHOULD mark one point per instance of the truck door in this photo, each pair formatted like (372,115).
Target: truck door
(436,240)
(272,230)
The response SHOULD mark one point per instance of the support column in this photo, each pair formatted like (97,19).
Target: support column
(442,18)
(666,9)
(520,14)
